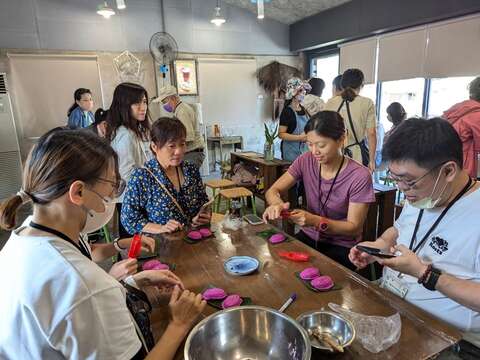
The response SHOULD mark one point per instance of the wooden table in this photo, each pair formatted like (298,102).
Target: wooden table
(236,141)
(200,265)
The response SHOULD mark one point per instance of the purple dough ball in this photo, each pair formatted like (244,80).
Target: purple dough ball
(205,232)
(277,238)
(194,235)
(214,294)
(322,283)
(310,273)
(231,301)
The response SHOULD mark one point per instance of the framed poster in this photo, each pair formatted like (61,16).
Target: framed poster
(186,76)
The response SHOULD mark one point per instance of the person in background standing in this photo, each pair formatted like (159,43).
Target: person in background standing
(172,103)
(337,86)
(128,130)
(395,114)
(80,113)
(465,118)
(359,111)
(313,102)
(293,120)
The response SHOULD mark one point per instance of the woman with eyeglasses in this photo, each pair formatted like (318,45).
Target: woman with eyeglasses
(60,304)
(338,191)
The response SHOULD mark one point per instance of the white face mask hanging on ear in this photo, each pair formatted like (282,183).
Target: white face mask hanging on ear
(428,202)
(97,220)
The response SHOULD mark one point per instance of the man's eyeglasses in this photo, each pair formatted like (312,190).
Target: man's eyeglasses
(118,186)
(409,184)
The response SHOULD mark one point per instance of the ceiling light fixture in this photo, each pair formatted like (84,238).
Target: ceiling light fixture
(121,4)
(218,19)
(105,10)
(260,9)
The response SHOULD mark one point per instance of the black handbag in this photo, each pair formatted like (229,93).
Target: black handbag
(363,146)
(140,308)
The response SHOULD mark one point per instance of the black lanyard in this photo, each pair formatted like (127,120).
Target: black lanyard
(61,235)
(323,204)
(435,224)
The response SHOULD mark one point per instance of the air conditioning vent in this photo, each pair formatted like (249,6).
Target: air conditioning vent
(3,84)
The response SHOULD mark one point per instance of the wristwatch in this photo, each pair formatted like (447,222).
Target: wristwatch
(117,246)
(431,282)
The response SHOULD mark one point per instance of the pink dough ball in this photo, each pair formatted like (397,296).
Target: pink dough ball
(214,294)
(309,273)
(277,238)
(194,235)
(322,283)
(231,301)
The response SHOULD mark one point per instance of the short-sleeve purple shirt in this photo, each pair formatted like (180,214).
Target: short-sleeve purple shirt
(353,185)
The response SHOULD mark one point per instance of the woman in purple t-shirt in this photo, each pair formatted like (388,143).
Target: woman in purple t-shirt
(338,190)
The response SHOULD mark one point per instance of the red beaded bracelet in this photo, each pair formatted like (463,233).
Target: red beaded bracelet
(427,272)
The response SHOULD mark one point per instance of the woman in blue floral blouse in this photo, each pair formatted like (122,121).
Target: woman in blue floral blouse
(167,193)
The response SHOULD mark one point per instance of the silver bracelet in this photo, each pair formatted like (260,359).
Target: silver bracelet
(117,246)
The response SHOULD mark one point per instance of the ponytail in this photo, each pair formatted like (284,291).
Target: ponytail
(8,212)
(348,94)
(73,107)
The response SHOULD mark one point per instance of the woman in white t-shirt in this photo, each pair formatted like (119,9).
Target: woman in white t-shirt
(362,111)
(60,304)
(128,130)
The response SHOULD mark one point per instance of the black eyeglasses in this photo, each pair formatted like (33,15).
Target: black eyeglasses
(118,186)
(409,184)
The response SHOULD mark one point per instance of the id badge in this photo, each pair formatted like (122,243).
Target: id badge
(395,284)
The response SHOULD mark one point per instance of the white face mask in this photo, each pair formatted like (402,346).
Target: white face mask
(428,202)
(300,98)
(97,220)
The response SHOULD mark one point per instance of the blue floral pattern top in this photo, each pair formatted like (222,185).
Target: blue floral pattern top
(145,201)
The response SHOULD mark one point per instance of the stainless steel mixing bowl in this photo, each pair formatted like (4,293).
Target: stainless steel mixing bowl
(248,333)
(328,322)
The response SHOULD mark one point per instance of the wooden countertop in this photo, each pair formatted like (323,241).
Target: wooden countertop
(200,265)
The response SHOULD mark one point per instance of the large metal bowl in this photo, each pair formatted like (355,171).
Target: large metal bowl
(247,333)
(329,322)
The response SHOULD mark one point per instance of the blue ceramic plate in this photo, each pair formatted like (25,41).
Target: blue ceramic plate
(241,265)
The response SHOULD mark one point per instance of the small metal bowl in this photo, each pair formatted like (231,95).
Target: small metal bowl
(247,333)
(334,324)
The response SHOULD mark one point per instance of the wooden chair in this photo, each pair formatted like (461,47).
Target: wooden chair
(215,184)
(239,193)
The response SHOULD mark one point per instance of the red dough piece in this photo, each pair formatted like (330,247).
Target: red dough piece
(294,255)
(231,301)
(285,214)
(310,273)
(214,294)
(194,235)
(277,238)
(324,282)
(205,232)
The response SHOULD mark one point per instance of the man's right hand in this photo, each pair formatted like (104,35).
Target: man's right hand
(273,211)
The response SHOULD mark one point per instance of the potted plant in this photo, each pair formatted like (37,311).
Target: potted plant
(268,149)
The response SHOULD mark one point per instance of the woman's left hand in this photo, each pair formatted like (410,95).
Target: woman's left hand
(406,263)
(302,218)
(202,218)
(148,244)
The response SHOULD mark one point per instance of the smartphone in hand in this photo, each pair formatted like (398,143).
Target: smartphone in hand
(375,252)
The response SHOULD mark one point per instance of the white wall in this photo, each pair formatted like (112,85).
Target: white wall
(74,25)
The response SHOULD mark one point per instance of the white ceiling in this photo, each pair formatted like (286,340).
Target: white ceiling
(289,11)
